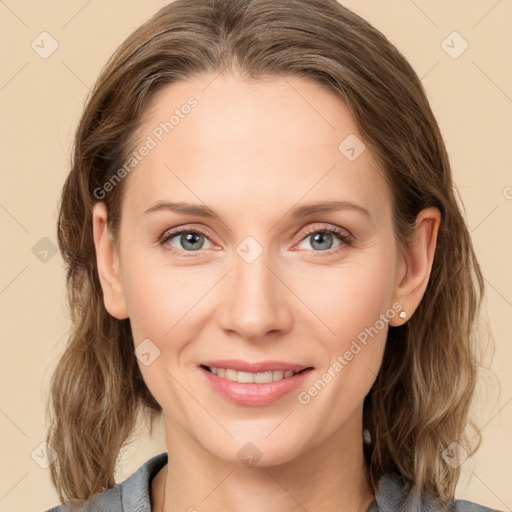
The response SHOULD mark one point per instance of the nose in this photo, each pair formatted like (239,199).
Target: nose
(255,303)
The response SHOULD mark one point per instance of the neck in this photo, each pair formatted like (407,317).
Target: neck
(330,477)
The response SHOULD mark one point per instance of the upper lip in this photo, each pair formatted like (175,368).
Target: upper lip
(255,367)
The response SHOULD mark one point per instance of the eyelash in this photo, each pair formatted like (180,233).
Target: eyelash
(344,236)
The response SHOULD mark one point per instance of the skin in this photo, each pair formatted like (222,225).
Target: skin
(251,152)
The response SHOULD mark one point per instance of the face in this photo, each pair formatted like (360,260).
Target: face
(256,280)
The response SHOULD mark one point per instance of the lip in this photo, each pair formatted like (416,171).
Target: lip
(254,394)
(255,367)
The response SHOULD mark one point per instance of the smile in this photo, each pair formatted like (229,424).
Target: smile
(254,384)
(248,377)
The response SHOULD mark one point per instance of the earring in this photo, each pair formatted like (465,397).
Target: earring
(403,315)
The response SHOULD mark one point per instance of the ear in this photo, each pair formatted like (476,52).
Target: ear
(107,260)
(416,263)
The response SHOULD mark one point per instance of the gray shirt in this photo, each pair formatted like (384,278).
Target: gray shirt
(133,495)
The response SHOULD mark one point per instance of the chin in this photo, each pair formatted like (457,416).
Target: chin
(258,451)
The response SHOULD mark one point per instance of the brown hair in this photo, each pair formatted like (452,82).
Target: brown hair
(420,401)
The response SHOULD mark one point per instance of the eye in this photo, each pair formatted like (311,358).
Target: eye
(321,238)
(189,240)
(185,240)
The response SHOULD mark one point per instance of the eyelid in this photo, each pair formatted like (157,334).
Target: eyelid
(321,226)
(178,230)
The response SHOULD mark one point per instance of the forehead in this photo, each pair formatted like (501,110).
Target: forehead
(249,144)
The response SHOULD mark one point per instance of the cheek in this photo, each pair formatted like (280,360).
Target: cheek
(356,309)
(161,304)
(158,301)
(152,296)
(351,297)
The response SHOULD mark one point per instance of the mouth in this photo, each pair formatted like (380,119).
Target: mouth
(254,384)
(252,377)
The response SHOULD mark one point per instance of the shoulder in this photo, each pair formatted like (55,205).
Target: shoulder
(469,506)
(130,495)
(392,497)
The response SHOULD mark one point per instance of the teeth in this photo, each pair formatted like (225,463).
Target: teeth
(241,376)
(265,377)
(244,377)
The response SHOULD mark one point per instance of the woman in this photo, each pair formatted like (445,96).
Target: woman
(264,245)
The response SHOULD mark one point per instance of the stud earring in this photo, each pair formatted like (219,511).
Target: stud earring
(403,315)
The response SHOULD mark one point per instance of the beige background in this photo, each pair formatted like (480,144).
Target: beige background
(41,101)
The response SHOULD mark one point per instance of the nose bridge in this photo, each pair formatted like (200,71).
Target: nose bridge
(256,304)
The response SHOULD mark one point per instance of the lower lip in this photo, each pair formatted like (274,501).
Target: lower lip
(251,393)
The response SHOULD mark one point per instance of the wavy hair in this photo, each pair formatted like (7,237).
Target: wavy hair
(421,399)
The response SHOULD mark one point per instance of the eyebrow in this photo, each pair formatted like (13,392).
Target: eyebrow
(299,211)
